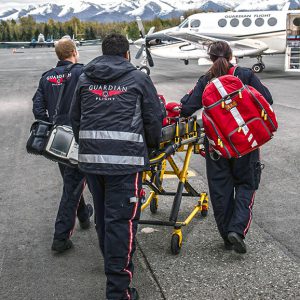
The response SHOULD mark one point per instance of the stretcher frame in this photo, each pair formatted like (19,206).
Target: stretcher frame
(188,138)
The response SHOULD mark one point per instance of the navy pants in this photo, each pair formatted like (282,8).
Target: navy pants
(117,211)
(232,185)
(71,204)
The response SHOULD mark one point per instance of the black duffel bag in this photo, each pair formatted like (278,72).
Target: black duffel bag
(39,135)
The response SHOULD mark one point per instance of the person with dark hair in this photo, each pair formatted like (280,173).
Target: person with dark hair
(115,116)
(72,203)
(232,182)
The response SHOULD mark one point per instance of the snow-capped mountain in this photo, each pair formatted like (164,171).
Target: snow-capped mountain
(126,10)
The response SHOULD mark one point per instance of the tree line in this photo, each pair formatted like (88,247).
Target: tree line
(26,28)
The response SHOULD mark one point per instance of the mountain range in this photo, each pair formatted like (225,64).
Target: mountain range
(128,10)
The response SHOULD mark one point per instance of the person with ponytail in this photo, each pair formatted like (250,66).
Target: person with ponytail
(232,182)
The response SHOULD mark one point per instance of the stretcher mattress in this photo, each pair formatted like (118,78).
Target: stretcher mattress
(169,131)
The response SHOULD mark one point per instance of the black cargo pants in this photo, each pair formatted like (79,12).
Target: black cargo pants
(117,211)
(232,185)
(71,204)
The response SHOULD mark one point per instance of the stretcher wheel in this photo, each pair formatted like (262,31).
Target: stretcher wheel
(153,205)
(204,213)
(175,244)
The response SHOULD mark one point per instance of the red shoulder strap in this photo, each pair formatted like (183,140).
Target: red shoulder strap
(232,71)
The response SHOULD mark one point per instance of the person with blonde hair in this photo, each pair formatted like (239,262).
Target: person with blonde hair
(72,204)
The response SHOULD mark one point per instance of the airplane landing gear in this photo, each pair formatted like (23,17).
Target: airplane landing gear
(186,62)
(259,67)
(145,69)
(144,65)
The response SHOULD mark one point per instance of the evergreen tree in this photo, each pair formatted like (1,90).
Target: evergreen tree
(36,34)
(26,28)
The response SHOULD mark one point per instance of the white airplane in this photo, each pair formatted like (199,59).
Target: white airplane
(250,34)
(40,42)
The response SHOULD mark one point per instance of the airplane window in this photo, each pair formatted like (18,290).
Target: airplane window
(272,21)
(222,22)
(234,22)
(259,22)
(195,23)
(184,24)
(296,22)
(247,22)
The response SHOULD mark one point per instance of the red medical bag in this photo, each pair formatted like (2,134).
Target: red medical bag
(172,110)
(237,119)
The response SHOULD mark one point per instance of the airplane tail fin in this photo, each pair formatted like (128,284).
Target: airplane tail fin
(286,6)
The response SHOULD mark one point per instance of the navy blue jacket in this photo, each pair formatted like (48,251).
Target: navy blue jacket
(115,115)
(192,101)
(46,96)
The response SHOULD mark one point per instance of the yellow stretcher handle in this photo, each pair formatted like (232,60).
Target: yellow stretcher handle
(195,125)
(187,128)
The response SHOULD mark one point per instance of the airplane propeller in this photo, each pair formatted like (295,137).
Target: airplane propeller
(141,27)
(149,57)
(144,46)
(140,52)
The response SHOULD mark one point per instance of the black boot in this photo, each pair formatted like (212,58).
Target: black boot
(87,223)
(239,245)
(61,245)
(227,245)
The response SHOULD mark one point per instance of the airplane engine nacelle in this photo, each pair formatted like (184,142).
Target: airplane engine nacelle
(154,42)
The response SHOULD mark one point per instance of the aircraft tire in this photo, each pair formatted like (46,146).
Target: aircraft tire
(257,68)
(145,69)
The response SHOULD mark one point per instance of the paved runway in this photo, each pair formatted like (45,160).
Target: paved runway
(30,190)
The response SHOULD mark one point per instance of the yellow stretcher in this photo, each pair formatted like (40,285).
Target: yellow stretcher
(186,135)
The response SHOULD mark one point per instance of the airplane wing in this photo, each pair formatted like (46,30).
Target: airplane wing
(240,47)
(15,43)
(21,44)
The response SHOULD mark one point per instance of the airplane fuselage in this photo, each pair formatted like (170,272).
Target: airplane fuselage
(268,27)
(249,34)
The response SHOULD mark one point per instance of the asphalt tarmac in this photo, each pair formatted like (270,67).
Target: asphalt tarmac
(30,191)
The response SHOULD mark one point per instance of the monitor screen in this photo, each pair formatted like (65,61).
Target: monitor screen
(61,143)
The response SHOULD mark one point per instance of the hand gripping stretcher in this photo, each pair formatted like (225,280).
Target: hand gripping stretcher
(185,135)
